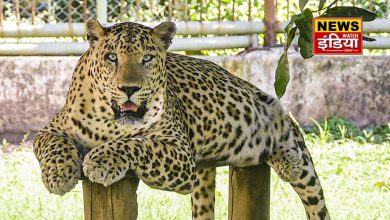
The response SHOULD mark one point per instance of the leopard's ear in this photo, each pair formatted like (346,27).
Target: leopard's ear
(95,31)
(165,32)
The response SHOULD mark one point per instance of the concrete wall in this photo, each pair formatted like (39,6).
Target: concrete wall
(32,89)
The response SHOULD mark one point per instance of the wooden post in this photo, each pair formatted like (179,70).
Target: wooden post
(270,22)
(249,193)
(118,201)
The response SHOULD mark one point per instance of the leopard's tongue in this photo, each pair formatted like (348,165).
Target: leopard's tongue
(129,106)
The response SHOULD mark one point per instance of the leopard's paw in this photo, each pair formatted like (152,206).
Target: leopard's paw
(61,170)
(104,166)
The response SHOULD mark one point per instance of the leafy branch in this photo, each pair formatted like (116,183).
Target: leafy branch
(303,23)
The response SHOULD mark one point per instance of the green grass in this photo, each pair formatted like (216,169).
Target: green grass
(354,171)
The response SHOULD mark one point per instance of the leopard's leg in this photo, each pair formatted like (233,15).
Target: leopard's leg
(163,163)
(203,196)
(292,162)
(286,156)
(60,162)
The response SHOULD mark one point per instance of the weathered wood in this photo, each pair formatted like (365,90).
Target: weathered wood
(118,201)
(249,193)
(270,22)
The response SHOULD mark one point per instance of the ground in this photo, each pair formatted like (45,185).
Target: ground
(354,173)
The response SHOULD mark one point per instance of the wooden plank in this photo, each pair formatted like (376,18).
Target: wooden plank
(118,201)
(87,197)
(249,193)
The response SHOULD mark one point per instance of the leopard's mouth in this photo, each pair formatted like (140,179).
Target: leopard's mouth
(129,109)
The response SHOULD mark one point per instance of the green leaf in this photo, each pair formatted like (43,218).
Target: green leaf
(291,23)
(290,38)
(321,4)
(281,76)
(302,4)
(308,14)
(304,25)
(365,38)
(305,47)
(349,11)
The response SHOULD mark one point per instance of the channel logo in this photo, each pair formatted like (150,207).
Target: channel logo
(341,36)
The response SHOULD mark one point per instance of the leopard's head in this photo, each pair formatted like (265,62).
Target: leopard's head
(128,64)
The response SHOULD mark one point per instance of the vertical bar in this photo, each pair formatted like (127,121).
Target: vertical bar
(17,12)
(70,11)
(101,10)
(32,11)
(49,8)
(121,10)
(185,10)
(151,2)
(288,9)
(270,23)
(1,12)
(234,11)
(201,10)
(219,10)
(249,193)
(371,5)
(85,9)
(137,8)
(254,37)
(276,8)
(170,10)
(249,10)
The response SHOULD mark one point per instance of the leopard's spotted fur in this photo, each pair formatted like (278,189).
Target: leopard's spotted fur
(180,112)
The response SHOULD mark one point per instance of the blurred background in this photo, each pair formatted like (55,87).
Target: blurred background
(28,27)
(342,102)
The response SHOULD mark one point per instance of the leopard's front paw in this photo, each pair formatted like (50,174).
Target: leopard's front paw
(61,170)
(104,166)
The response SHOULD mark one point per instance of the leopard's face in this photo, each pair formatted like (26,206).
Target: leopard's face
(129,66)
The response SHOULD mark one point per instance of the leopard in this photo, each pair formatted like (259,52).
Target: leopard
(169,118)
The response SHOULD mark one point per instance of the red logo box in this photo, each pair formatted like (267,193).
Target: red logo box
(337,36)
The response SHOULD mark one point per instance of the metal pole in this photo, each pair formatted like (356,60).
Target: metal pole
(255,41)
(70,11)
(85,9)
(121,11)
(137,8)
(101,7)
(32,11)
(17,12)
(183,28)
(170,10)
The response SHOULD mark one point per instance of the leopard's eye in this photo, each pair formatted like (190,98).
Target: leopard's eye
(147,58)
(112,57)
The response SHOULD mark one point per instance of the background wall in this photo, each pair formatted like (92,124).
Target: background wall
(32,89)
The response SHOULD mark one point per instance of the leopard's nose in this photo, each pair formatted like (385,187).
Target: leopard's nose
(129,90)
